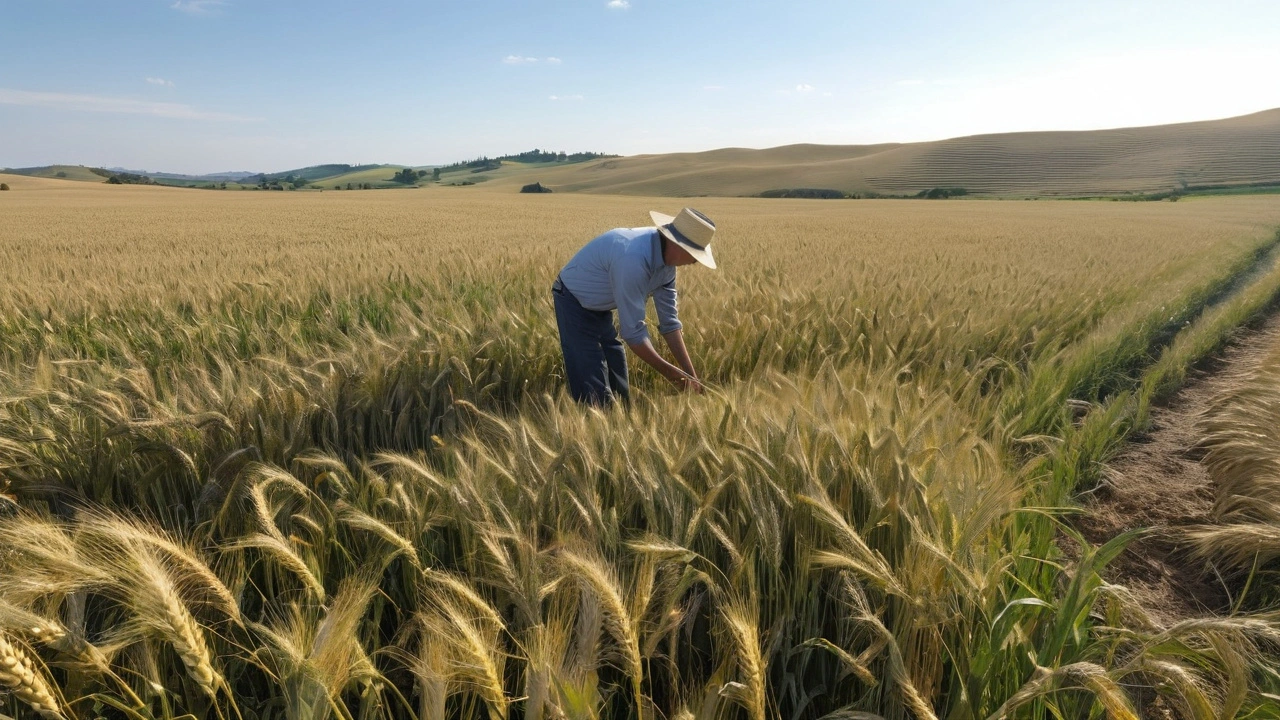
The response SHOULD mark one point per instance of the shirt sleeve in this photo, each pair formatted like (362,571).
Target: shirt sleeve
(664,301)
(628,278)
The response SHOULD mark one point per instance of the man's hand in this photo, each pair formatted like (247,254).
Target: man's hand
(693,385)
(685,381)
(675,341)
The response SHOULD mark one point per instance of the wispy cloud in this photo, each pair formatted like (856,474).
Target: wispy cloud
(565,97)
(524,60)
(805,90)
(159,81)
(619,5)
(198,7)
(106,104)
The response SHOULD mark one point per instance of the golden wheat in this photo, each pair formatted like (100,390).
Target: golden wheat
(1241,439)
(26,680)
(316,444)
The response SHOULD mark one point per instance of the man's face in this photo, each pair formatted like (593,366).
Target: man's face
(674,255)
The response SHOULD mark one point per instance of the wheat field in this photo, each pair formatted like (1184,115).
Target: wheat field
(1239,437)
(308,455)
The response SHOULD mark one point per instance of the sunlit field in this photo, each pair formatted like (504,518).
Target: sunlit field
(309,455)
(1242,453)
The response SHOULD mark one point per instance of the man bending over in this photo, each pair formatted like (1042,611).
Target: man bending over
(621,270)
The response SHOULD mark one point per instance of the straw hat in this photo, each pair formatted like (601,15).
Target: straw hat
(691,230)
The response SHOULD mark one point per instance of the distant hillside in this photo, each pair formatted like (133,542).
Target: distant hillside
(1236,151)
(376,176)
(62,172)
(1231,153)
(315,172)
(340,175)
(471,172)
(210,177)
(531,157)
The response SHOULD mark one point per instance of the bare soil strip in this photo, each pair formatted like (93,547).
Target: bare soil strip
(1158,482)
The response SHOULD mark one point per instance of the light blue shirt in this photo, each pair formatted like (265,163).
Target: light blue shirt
(622,269)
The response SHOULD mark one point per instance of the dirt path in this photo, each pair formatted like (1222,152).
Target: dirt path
(1158,482)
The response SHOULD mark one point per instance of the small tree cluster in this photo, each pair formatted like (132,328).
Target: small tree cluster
(485,162)
(806,193)
(939,193)
(408,176)
(130,179)
(4,186)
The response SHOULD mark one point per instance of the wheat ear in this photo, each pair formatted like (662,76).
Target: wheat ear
(163,604)
(20,676)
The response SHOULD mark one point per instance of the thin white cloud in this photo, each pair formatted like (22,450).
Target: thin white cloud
(106,104)
(159,81)
(565,97)
(554,61)
(804,88)
(619,5)
(519,60)
(198,7)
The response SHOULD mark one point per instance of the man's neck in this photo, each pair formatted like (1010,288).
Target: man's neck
(666,248)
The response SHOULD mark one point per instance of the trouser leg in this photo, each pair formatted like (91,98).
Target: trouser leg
(615,356)
(585,367)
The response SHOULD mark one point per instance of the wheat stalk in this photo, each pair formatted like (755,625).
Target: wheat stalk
(1083,675)
(101,527)
(594,574)
(476,656)
(157,604)
(26,680)
(741,620)
(282,552)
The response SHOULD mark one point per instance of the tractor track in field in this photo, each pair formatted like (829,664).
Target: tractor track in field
(1158,482)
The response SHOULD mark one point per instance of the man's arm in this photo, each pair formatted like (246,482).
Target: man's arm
(629,292)
(680,378)
(665,302)
(675,341)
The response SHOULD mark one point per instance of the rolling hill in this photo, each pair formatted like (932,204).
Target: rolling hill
(211,177)
(378,175)
(60,172)
(317,173)
(1236,151)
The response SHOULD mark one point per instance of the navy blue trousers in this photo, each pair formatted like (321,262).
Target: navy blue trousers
(595,362)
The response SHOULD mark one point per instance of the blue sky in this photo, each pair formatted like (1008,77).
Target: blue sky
(205,85)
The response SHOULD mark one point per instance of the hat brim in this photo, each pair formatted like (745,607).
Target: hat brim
(702,255)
